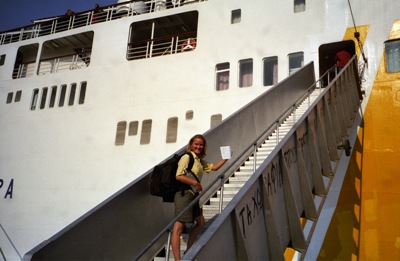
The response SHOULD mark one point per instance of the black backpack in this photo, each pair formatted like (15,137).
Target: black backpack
(163,181)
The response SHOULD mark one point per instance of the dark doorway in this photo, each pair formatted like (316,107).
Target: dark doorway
(327,52)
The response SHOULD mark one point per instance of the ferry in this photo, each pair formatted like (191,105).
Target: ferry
(92,100)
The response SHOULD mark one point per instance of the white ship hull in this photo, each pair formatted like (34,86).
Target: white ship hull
(58,163)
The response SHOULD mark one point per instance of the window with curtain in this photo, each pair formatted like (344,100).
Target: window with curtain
(246,73)
(146,132)
(215,120)
(270,70)
(133,128)
(120,133)
(222,76)
(172,130)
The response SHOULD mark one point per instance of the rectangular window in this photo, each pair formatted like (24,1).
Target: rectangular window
(215,120)
(35,95)
(44,98)
(222,76)
(236,16)
(53,95)
(133,128)
(62,95)
(392,51)
(120,135)
(146,132)
(246,73)
(2,59)
(9,97)
(299,6)
(18,96)
(189,115)
(172,130)
(296,61)
(72,94)
(270,67)
(82,93)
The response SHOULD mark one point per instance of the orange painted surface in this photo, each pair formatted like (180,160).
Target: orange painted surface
(366,223)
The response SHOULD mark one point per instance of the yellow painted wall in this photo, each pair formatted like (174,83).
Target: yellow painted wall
(366,223)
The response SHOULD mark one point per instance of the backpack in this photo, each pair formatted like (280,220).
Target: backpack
(163,181)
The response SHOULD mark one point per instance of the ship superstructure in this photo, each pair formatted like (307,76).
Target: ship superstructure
(90,102)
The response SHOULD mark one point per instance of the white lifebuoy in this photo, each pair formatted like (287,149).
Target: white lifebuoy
(188,45)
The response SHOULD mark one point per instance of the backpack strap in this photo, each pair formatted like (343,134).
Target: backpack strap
(191,161)
(190,165)
(189,168)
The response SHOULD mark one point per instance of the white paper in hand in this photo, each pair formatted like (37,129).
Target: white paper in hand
(226,152)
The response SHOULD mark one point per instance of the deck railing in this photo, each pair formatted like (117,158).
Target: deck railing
(23,70)
(64,63)
(103,14)
(161,46)
(52,65)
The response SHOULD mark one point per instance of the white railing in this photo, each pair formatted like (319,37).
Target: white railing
(64,63)
(162,46)
(23,70)
(103,14)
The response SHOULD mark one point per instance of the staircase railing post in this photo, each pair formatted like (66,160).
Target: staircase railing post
(294,114)
(221,197)
(168,245)
(255,158)
(277,132)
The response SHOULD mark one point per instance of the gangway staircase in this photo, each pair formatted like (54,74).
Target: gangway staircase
(303,188)
(237,180)
(285,184)
(289,145)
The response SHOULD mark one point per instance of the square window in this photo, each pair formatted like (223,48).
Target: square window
(296,61)
(299,6)
(215,120)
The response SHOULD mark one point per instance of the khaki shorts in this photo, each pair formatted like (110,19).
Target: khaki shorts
(181,202)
